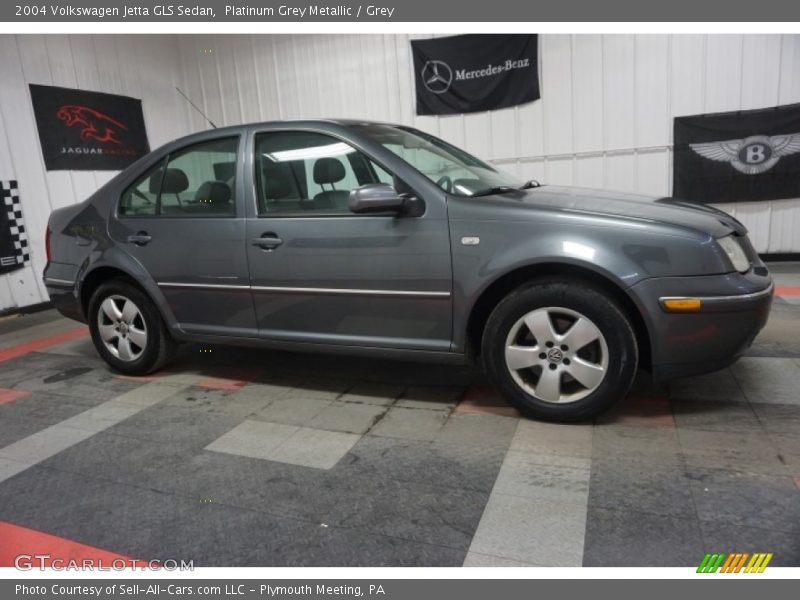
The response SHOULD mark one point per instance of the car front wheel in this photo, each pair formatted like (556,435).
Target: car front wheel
(560,350)
(127,329)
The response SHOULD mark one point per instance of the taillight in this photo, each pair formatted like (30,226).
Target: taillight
(47,244)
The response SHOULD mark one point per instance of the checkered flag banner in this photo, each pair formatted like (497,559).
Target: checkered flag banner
(14,248)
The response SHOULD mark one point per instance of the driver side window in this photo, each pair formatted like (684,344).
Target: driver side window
(300,173)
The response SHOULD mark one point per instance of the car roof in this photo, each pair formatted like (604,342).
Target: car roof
(342,122)
(300,123)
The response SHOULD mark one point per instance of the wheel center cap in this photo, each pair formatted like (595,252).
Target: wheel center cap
(123,328)
(555,355)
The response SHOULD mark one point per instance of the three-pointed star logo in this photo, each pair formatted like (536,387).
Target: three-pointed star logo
(437,76)
(752,155)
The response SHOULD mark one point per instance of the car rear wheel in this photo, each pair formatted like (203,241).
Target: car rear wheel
(127,329)
(560,350)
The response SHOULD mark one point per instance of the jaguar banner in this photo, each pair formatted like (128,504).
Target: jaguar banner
(472,73)
(14,250)
(88,131)
(738,156)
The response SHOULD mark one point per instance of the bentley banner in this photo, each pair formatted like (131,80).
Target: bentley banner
(471,73)
(88,131)
(738,156)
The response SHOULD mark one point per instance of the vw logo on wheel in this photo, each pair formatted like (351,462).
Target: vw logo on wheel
(437,76)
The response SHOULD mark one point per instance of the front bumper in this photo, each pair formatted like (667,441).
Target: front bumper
(735,307)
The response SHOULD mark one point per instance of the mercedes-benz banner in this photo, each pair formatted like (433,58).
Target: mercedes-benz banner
(472,73)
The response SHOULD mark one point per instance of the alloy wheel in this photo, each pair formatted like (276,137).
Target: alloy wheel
(556,354)
(122,328)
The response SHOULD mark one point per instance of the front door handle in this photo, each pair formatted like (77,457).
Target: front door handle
(268,241)
(140,238)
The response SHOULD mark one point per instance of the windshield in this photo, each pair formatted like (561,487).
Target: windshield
(451,168)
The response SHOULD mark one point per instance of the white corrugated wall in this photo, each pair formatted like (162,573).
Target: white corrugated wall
(604,120)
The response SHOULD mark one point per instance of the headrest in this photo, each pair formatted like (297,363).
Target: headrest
(173,182)
(213,192)
(224,171)
(276,183)
(328,170)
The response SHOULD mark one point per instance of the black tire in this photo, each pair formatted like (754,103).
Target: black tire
(159,347)
(597,307)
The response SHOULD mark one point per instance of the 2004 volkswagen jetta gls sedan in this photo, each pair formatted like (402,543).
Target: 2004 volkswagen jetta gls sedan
(382,240)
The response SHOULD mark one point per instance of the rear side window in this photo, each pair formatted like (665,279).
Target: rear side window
(196,181)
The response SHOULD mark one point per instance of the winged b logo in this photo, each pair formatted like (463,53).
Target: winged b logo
(752,155)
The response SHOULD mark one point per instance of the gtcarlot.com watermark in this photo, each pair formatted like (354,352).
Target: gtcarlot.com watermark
(30,562)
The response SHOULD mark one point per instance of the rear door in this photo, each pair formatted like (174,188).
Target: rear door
(183,221)
(322,274)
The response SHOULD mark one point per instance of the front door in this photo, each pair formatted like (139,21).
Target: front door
(183,222)
(322,274)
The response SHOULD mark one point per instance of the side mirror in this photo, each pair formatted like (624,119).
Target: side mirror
(377,198)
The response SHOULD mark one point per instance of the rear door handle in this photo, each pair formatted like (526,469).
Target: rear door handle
(140,238)
(268,241)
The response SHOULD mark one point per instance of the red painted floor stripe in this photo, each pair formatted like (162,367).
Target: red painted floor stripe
(641,410)
(16,540)
(41,343)
(221,383)
(787,290)
(8,395)
(484,400)
(234,379)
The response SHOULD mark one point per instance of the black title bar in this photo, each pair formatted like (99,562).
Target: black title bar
(437,11)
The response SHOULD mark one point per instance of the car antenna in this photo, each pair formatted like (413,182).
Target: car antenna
(194,106)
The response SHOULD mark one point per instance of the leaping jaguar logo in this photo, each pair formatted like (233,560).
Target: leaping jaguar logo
(96,125)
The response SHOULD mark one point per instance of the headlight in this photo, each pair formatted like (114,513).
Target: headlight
(735,253)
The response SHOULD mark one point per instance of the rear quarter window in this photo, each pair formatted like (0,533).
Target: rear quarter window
(141,197)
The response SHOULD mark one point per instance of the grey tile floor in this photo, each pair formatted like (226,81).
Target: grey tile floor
(249,457)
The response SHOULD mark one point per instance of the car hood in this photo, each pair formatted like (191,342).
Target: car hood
(669,211)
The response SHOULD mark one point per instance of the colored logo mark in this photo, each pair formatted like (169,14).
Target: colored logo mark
(734,562)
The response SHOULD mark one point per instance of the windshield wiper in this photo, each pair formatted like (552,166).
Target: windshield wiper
(498,189)
(530,184)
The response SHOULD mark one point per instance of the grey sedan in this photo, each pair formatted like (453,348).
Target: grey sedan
(381,240)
